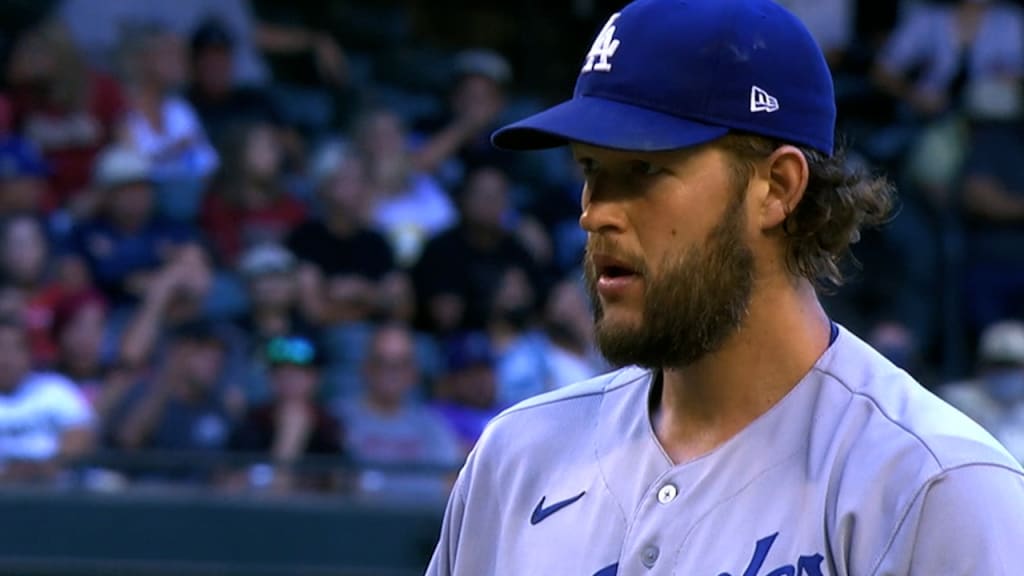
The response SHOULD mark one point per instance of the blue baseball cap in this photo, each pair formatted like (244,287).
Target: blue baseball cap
(468,350)
(19,158)
(669,74)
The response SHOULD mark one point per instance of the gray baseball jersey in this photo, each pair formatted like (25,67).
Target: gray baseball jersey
(858,471)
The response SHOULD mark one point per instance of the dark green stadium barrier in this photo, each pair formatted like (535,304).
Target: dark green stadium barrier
(75,533)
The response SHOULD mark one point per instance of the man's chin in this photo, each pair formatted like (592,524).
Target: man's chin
(617,341)
(621,315)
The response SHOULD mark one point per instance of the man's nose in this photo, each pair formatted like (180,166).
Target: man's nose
(602,215)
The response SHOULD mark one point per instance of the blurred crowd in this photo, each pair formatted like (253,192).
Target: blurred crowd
(247,236)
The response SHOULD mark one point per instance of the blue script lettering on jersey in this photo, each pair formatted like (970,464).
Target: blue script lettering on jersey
(805,565)
(608,570)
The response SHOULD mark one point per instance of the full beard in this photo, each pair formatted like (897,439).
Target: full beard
(695,303)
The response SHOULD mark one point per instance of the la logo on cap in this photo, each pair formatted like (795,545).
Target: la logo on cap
(761,101)
(604,48)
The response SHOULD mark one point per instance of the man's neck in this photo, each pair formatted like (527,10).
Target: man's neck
(707,403)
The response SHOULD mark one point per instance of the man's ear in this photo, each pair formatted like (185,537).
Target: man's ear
(786,173)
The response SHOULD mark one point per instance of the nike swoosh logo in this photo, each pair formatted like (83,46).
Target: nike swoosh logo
(540,512)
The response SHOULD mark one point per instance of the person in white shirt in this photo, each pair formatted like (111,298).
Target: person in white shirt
(44,421)
(161,124)
(410,207)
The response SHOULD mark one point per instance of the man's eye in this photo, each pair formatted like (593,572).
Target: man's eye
(641,168)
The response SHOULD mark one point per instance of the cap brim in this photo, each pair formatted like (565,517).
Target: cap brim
(607,124)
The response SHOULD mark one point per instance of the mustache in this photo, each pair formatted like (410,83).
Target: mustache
(604,246)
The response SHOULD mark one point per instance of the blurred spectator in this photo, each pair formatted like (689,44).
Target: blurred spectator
(80,332)
(461,269)
(214,92)
(993,196)
(174,296)
(26,264)
(831,22)
(518,345)
(6,116)
(389,424)
(943,52)
(466,395)
(23,174)
(44,421)
(292,424)
(944,62)
(300,52)
(570,355)
(995,397)
(182,407)
(461,139)
(409,205)
(247,203)
(68,110)
(275,309)
(124,244)
(160,124)
(354,276)
(97,26)
(12,301)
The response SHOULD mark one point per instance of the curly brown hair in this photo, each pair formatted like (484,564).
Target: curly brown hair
(841,199)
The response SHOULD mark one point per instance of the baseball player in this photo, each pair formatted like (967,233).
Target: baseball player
(748,435)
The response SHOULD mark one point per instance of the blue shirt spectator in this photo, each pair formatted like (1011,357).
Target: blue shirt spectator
(467,393)
(181,408)
(994,199)
(125,243)
(23,173)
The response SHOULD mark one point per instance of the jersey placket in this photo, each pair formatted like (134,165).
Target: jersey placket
(665,515)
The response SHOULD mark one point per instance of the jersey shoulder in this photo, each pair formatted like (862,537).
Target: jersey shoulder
(884,442)
(580,392)
(897,417)
(554,427)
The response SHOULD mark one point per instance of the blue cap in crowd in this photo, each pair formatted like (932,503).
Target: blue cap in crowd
(19,159)
(668,74)
(468,350)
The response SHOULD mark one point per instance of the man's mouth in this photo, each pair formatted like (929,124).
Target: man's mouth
(610,267)
(614,277)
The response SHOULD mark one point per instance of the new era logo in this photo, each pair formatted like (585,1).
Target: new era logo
(604,47)
(761,101)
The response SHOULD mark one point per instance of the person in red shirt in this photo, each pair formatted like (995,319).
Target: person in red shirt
(67,109)
(247,203)
(40,281)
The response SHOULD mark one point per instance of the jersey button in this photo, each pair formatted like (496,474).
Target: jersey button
(649,556)
(667,493)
